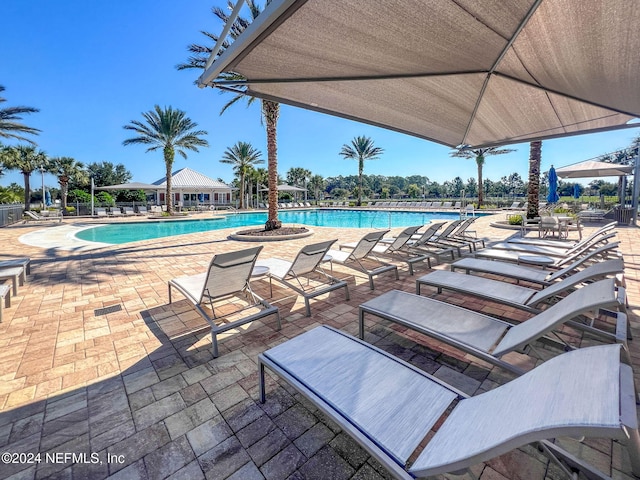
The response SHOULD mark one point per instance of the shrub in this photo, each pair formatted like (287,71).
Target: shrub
(515,219)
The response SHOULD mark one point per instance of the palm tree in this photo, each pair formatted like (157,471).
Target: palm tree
(243,157)
(479,154)
(361,149)
(26,159)
(9,121)
(270,110)
(535,156)
(317,184)
(67,169)
(168,129)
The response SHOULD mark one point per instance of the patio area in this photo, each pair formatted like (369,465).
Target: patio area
(98,370)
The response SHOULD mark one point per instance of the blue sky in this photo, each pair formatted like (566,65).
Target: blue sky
(92,67)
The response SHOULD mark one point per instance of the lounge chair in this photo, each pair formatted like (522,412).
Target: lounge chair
(115,212)
(436,204)
(100,212)
(363,252)
(532,249)
(557,260)
(128,212)
(447,205)
(529,299)
(396,248)
(457,205)
(228,276)
(15,274)
(307,262)
(142,210)
(34,217)
(488,338)
(521,272)
(421,245)
(390,407)
(514,206)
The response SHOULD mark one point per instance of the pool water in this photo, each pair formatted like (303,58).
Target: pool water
(118,233)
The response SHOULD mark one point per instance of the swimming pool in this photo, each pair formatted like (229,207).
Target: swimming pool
(118,233)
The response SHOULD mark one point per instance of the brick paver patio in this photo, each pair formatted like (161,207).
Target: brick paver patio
(134,394)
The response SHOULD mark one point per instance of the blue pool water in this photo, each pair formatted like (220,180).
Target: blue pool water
(118,233)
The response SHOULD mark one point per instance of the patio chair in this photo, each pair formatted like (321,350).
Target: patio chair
(363,252)
(228,276)
(525,298)
(390,407)
(100,212)
(447,205)
(128,212)
(295,274)
(396,248)
(489,338)
(142,210)
(444,239)
(514,206)
(115,212)
(34,217)
(436,204)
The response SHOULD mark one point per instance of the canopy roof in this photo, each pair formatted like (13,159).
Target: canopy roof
(129,186)
(592,168)
(188,179)
(283,187)
(452,71)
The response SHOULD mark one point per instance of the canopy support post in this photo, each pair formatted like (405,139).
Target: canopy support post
(636,184)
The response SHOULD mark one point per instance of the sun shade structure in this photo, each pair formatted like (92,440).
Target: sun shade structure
(591,168)
(457,72)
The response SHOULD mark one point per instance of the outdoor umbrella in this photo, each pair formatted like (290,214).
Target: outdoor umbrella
(201,197)
(576,191)
(47,198)
(553,197)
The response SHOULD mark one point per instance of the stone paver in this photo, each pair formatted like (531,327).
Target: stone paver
(140,388)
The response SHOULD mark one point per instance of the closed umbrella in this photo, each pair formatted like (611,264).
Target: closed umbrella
(553,197)
(47,198)
(576,191)
(201,197)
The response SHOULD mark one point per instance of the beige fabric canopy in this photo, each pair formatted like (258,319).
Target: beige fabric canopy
(456,72)
(592,168)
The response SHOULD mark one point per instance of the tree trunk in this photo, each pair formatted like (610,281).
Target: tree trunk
(480,163)
(360,171)
(168,161)
(241,204)
(535,155)
(271,111)
(27,191)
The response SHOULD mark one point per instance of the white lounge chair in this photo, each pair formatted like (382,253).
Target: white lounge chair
(524,273)
(296,273)
(115,212)
(486,337)
(100,212)
(391,408)
(396,248)
(34,217)
(514,206)
(557,260)
(128,212)
(142,210)
(228,276)
(517,296)
(363,252)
